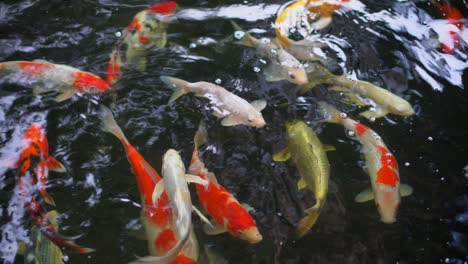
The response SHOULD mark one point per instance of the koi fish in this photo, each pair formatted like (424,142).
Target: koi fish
(45,252)
(308,153)
(35,159)
(382,166)
(281,64)
(233,109)
(450,35)
(175,183)
(147,30)
(220,204)
(156,216)
(355,92)
(47,77)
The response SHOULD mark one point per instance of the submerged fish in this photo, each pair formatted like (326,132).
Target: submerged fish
(381,164)
(281,64)
(233,109)
(307,152)
(147,30)
(355,90)
(34,159)
(45,252)
(221,205)
(157,217)
(449,37)
(46,77)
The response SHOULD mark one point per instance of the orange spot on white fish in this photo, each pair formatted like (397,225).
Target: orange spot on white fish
(114,67)
(34,68)
(88,82)
(360,129)
(165,241)
(387,174)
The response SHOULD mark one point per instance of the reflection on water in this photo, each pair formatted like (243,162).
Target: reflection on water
(392,44)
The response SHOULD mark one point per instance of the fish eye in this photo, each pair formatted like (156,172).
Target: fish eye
(292,76)
(250,120)
(148,26)
(239,232)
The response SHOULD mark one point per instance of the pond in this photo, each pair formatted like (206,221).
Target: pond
(391,44)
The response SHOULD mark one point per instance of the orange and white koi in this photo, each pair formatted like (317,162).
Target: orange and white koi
(156,217)
(46,77)
(221,205)
(295,22)
(449,36)
(35,159)
(147,30)
(381,164)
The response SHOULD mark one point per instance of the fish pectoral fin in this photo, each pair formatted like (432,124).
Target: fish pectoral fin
(353,99)
(41,90)
(230,121)
(202,216)
(65,95)
(338,88)
(47,198)
(54,165)
(301,184)
(196,179)
(213,229)
(272,73)
(52,216)
(283,155)
(379,112)
(328,148)
(259,104)
(212,177)
(218,114)
(22,248)
(405,190)
(364,196)
(247,207)
(158,190)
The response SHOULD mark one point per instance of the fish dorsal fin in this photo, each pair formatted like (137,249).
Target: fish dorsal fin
(301,184)
(247,207)
(283,155)
(259,104)
(230,121)
(405,190)
(41,61)
(364,196)
(54,165)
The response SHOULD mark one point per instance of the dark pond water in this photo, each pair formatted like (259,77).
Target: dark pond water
(385,42)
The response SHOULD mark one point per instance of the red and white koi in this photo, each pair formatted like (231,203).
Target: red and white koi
(449,33)
(221,205)
(46,77)
(381,164)
(157,217)
(35,159)
(147,30)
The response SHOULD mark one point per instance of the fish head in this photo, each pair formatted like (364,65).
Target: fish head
(90,83)
(403,108)
(35,133)
(255,120)
(296,74)
(388,202)
(295,126)
(252,235)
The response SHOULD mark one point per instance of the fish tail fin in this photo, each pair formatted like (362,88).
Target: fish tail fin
(247,39)
(306,223)
(64,242)
(178,85)
(329,113)
(109,125)
(200,135)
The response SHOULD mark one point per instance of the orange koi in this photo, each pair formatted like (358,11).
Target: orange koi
(145,31)
(35,158)
(454,18)
(46,77)
(157,217)
(381,164)
(228,214)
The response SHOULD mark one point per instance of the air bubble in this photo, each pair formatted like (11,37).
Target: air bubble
(218,81)
(263,61)
(83,116)
(407,164)
(65,258)
(351,133)
(256,69)
(118,34)
(372,119)
(192,46)
(239,35)
(343,115)
(430,138)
